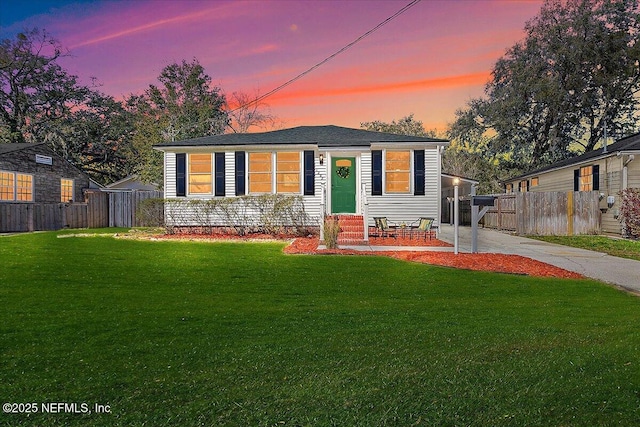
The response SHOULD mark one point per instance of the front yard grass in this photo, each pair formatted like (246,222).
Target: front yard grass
(192,333)
(623,248)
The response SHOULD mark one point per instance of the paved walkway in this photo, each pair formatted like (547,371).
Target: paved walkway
(617,271)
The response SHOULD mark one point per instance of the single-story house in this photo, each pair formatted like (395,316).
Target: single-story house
(336,170)
(606,171)
(33,173)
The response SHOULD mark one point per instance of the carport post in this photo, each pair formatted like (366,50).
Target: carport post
(456,218)
(474,222)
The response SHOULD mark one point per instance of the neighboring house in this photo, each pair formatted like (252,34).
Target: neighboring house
(607,172)
(336,170)
(132,182)
(33,173)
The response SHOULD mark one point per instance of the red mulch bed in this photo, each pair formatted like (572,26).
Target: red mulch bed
(500,263)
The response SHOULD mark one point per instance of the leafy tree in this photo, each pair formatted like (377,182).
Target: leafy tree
(552,95)
(185,105)
(405,126)
(97,137)
(34,89)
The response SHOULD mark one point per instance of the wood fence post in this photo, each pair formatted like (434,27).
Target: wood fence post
(570,213)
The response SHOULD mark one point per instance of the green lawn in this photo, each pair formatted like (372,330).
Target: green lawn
(238,334)
(624,248)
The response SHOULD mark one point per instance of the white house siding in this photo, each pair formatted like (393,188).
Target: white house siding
(406,208)
(188,216)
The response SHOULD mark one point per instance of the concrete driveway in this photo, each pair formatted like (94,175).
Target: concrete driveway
(617,271)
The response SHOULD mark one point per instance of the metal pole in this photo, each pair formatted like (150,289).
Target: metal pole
(455,217)
(474,222)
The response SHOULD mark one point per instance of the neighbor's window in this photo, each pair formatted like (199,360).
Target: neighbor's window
(7,185)
(522,186)
(535,181)
(260,172)
(398,171)
(24,188)
(586,178)
(200,174)
(66,190)
(288,172)
(509,188)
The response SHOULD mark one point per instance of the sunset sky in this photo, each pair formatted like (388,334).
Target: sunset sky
(429,61)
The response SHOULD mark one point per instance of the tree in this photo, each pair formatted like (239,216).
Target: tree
(97,137)
(405,126)
(185,105)
(34,89)
(246,111)
(551,96)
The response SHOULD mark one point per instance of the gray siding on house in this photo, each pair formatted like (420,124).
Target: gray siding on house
(46,178)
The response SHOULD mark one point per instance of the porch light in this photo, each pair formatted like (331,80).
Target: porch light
(321,158)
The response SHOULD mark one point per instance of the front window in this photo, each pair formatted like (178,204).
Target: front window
(24,188)
(200,181)
(7,186)
(586,178)
(288,172)
(66,190)
(260,172)
(398,171)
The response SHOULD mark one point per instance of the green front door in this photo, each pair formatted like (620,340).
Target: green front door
(343,185)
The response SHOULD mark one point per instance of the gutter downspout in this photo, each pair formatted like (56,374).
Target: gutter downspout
(625,176)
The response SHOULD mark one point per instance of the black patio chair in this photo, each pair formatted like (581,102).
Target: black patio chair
(384,228)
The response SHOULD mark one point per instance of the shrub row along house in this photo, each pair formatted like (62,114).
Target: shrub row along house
(606,172)
(335,170)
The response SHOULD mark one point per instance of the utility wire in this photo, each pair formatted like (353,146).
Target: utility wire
(329,58)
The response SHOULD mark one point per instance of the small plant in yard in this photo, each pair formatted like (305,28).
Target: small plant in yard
(331,231)
(630,211)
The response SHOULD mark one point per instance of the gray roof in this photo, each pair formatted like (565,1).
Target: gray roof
(8,148)
(629,143)
(322,136)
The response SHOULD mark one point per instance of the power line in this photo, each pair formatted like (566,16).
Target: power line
(330,57)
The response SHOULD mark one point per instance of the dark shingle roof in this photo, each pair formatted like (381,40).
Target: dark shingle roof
(323,136)
(8,148)
(629,143)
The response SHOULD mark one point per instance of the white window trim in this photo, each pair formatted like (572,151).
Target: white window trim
(274,171)
(15,187)
(188,176)
(411,172)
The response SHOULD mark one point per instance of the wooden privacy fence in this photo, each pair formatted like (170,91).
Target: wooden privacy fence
(41,216)
(546,213)
(123,207)
(101,209)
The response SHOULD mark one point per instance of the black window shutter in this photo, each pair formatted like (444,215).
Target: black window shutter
(418,174)
(309,173)
(240,185)
(376,172)
(181,176)
(528,185)
(220,181)
(576,180)
(596,177)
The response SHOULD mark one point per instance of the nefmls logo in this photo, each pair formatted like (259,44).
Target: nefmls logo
(67,408)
